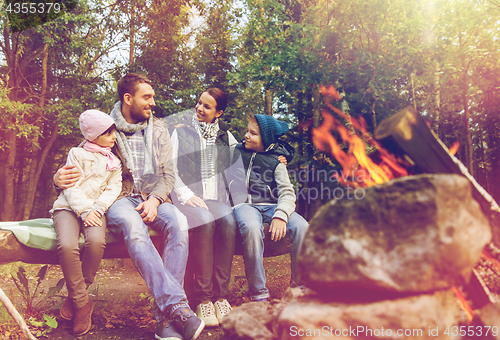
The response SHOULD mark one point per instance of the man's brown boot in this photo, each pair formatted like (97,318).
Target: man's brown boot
(67,310)
(83,319)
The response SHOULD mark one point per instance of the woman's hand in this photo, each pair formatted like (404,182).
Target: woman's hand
(196,201)
(277,229)
(282,159)
(66,177)
(93,219)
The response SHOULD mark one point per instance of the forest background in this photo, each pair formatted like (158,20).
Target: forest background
(440,56)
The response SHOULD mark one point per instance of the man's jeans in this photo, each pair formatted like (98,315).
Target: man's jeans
(163,275)
(250,218)
(212,249)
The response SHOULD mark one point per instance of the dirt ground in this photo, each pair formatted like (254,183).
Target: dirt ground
(122,306)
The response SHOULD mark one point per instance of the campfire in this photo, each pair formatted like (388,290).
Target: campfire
(392,263)
(356,164)
(414,150)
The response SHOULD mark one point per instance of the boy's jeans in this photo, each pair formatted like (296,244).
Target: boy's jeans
(164,275)
(250,218)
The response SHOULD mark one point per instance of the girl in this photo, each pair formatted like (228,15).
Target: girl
(202,152)
(82,208)
(270,199)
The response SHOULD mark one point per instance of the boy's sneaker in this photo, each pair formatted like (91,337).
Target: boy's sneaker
(187,322)
(166,331)
(222,308)
(206,312)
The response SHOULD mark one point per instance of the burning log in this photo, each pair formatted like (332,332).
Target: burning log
(407,134)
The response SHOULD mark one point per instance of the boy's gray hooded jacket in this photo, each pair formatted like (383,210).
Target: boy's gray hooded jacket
(266,179)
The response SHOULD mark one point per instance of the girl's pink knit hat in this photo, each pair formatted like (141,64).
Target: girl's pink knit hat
(94,123)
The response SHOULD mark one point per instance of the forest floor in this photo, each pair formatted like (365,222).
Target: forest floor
(122,303)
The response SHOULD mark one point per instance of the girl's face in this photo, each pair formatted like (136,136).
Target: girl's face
(253,139)
(106,140)
(206,109)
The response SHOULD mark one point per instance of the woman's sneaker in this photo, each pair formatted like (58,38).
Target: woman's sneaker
(187,322)
(206,312)
(222,308)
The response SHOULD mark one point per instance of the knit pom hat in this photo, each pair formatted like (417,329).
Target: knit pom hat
(94,123)
(270,129)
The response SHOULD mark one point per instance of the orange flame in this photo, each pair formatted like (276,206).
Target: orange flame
(454,148)
(356,164)
(463,302)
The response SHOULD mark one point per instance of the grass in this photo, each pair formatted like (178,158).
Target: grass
(121,301)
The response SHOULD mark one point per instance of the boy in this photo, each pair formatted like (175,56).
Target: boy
(270,199)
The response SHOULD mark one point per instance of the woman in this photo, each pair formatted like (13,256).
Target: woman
(203,149)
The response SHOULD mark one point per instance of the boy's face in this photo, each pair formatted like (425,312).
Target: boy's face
(253,139)
(106,140)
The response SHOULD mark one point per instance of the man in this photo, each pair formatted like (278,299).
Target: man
(145,144)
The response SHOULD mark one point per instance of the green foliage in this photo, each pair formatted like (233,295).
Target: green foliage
(45,326)
(146,297)
(440,56)
(12,118)
(32,292)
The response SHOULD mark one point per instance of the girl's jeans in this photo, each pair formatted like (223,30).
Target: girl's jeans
(78,275)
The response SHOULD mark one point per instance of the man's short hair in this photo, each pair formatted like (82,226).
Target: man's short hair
(128,84)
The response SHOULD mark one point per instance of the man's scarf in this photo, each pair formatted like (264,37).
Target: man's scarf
(123,127)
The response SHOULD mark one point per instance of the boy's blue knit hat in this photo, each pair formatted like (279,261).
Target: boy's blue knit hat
(270,129)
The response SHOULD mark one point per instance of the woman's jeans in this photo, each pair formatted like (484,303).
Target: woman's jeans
(250,218)
(212,249)
(163,275)
(78,275)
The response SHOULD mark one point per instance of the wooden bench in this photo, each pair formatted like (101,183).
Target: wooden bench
(12,250)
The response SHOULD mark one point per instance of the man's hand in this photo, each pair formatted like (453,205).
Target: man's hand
(277,229)
(282,159)
(66,177)
(195,201)
(93,219)
(149,209)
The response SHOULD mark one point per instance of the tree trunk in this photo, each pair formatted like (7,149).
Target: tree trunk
(316,107)
(437,98)
(8,212)
(34,172)
(414,99)
(13,56)
(467,132)
(374,115)
(41,163)
(268,100)
(132,36)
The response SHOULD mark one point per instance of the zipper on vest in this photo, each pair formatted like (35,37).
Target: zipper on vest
(248,177)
